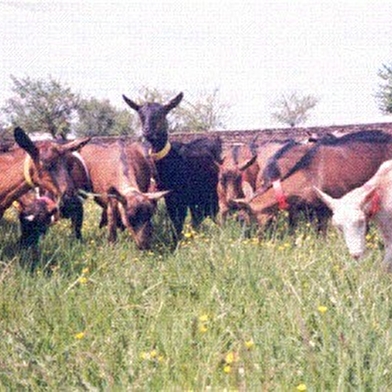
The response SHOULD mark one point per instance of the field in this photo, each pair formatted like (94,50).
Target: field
(223,311)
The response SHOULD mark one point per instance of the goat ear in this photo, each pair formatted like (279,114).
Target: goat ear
(130,103)
(367,198)
(174,102)
(248,190)
(23,141)
(241,203)
(156,195)
(328,200)
(249,163)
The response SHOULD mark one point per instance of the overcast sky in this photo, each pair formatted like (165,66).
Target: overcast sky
(252,51)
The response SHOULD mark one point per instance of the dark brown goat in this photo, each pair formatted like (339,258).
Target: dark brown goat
(120,178)
(188,170)
(333,165)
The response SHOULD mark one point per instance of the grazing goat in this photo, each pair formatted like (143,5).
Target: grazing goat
(334,165)
(35,216)
(120,178)
(353,211)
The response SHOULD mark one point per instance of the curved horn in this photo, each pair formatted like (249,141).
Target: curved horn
(74,145)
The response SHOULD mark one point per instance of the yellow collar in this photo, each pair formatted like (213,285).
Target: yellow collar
(156,156)
(26,171)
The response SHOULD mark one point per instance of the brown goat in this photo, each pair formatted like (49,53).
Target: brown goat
(237,166)
(333,165)
(44,166)
(120,178)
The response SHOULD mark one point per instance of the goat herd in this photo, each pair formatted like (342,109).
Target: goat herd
(347,177)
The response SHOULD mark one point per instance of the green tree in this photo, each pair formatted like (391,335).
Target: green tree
(6,134)
(208,113)
(384,95)
(100,118)
(40,105)
(293,109)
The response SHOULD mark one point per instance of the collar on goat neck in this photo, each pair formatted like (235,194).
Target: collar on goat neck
(279,194)
(157,156)
(26,171)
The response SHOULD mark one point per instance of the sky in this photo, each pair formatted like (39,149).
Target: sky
(251,51)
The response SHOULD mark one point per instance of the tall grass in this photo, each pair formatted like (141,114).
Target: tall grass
(223,311)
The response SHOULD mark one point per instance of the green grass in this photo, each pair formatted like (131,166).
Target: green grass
(220,312)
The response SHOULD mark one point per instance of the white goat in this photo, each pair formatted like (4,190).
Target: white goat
(351,213)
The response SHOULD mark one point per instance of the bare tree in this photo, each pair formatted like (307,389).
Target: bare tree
(293,109)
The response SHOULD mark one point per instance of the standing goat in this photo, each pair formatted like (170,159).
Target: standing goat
(188,170)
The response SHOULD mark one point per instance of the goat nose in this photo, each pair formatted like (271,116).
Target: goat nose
(356,256)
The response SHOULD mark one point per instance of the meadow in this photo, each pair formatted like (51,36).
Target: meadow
(224,311)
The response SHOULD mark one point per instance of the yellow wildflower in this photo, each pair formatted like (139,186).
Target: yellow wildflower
(227,369)
(79,335)
(322,309)
(203,318)
(144,355)
(249,344)
(82,280)
(301,387)
(230,358)
(203,328)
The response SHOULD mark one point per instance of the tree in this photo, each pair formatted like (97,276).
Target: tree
(6,134)
(293,109)
(41,106)
(206,114)
(100,118)
(384,96)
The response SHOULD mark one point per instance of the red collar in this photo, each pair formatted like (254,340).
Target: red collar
(279,194)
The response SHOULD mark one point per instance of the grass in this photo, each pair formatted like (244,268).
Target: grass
(291,312)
